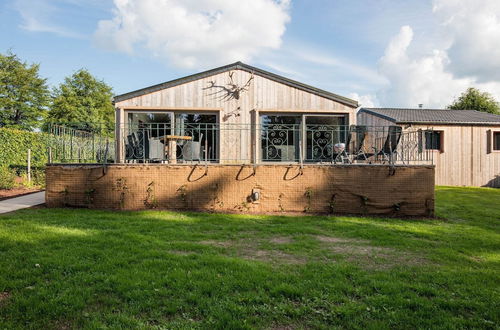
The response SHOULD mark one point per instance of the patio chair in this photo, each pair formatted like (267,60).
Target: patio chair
(358,151)
(191,150)
(137,147)
(156,150)
(389,150)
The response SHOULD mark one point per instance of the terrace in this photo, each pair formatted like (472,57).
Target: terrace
(272,167)
(277,140)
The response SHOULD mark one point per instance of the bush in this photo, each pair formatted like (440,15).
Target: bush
(7,178)
(37,177)
(14,145)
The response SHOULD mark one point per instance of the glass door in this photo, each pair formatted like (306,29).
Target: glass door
(321,133)
(280,137)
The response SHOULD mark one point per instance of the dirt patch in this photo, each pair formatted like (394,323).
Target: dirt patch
(250,249)
(63,325)
(283,327)
(181,253)
(281,240)
(224,244)
(357,251)
(329,239)
(272,256)
(4,296)
(367,256)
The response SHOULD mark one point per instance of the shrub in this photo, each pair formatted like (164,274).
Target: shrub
(7,178)
(37,177)
(14,145)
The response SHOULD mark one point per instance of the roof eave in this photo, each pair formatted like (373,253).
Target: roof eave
(377,114)
(448,123)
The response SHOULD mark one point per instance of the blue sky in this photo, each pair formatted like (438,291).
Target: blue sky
(382,52)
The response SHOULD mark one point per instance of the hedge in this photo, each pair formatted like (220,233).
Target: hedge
(14,145)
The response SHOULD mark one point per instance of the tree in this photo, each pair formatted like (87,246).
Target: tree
(82,101)
(474,99)
(24,95)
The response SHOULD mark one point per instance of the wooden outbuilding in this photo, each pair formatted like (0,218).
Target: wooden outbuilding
(465,143)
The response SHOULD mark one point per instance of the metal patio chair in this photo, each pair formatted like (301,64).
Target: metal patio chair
(192,150)
(389,150)
(358,151)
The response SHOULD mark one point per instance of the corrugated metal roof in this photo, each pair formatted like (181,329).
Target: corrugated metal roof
(434,116)
(244,67)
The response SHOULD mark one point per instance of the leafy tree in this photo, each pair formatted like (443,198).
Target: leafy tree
(83,101)
(24,95)
(474,99)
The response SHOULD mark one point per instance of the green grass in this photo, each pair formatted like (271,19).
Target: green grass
(65,268)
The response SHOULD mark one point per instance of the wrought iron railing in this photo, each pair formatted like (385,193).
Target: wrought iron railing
(71,145)
(270,143)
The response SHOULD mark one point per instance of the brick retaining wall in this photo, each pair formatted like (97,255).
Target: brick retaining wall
(354,189)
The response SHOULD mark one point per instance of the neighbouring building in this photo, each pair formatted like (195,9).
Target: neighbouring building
(465,143)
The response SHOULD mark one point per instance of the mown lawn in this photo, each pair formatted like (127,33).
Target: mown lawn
(66,268)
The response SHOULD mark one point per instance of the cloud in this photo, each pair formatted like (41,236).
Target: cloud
(436,76)
(38,16)
(195,33)
(365,101)
(474,29)
(416,80)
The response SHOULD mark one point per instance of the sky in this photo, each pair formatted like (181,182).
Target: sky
(386,53)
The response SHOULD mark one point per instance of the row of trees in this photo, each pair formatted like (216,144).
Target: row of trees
(27,102)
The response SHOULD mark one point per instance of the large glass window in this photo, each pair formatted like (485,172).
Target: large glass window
(284,137)
(322,133)
(157,124)
(280,137)
(202,128)
(146,135)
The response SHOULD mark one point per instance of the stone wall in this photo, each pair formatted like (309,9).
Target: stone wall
(351,189)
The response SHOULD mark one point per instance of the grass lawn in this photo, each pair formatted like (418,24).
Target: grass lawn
(73,268)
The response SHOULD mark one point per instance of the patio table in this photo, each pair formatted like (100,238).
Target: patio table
(171,143)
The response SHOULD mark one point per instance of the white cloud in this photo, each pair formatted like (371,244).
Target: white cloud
(195,33)
(474,29)
(416,80)
(469,58)
(365,101)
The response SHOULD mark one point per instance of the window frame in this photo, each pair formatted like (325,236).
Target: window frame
(441,140)
(302,127)
(491,141)
(172,114)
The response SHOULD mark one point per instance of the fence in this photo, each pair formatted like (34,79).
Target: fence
(271,143)
(71,145)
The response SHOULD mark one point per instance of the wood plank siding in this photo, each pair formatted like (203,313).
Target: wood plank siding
(465,159)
